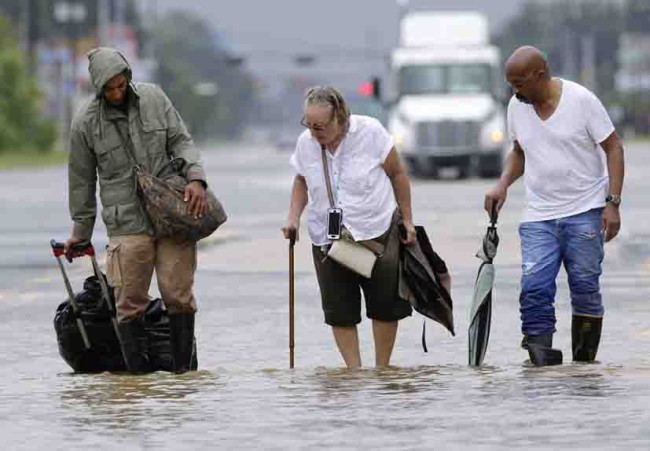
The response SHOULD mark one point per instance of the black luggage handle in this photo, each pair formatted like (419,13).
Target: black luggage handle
(78,250)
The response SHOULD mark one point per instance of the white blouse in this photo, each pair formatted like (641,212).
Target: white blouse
(360,185)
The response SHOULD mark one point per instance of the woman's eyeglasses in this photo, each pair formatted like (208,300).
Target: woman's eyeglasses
(316,127)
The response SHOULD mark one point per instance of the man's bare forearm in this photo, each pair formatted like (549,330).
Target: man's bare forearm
(513,167)
(615,167)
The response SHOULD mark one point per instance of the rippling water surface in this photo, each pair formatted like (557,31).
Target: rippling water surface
(245,397)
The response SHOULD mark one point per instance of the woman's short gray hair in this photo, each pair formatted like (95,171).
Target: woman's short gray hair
(332,97)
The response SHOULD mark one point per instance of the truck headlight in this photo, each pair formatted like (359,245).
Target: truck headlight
(497,137)
(493,131)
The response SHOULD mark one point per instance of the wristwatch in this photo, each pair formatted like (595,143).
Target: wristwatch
(613,199)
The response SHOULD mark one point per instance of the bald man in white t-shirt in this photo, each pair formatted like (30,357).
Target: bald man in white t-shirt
(565,146)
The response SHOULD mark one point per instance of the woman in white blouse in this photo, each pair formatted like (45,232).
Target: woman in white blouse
(370,187)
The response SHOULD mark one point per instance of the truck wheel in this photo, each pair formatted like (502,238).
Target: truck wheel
(490,166)
(464,171)
(490,172)
(414,168)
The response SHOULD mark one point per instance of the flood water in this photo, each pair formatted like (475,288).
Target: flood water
(245,397)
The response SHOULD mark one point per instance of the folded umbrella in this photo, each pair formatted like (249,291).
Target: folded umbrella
(419,281)
(481,310)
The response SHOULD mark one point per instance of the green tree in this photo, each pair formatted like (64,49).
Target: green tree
(190,60)
(21,124)
(560,28)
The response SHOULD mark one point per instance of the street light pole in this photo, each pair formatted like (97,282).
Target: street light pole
(120,21)
(71,15)
(102,23)
(403,6)
(149,12)
(25,22)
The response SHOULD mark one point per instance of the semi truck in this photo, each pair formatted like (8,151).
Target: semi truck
(448,108)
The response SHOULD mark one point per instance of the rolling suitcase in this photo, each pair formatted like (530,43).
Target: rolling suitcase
(86,325)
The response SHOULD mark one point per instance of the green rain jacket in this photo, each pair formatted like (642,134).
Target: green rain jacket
(96,151)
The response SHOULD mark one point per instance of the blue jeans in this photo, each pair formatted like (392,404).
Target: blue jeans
(576,241)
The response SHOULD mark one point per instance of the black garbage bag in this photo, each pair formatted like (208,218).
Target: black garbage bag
(105,353)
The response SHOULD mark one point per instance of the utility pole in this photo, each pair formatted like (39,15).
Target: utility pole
(403,6)
(25,21)
(103,20)
(70,14)
(119,36)
(149,12)
(588,61)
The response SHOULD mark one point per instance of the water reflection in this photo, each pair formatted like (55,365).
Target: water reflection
(591,380)
(416,407)
(130,402)
(391,381)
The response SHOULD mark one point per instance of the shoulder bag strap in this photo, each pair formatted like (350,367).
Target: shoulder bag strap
(326,171)
(127,146)
(374,246)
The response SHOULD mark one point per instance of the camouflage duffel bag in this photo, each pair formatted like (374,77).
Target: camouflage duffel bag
(169,214)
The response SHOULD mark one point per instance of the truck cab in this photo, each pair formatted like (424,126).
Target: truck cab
(447,110)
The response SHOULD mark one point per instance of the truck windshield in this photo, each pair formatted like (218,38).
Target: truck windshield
(445,79)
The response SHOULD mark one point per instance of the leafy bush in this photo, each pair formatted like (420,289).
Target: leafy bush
(21,123)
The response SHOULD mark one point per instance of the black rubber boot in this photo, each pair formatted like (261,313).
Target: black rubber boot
(585,337)
(135,346)
(182,341)
(540,349)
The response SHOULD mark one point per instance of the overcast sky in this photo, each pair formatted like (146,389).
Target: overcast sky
(270,32)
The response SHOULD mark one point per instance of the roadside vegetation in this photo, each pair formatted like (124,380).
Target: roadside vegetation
(31,157)
(26,137)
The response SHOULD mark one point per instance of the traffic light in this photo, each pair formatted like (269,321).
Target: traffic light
(366,89)
(370,88)
(376,88)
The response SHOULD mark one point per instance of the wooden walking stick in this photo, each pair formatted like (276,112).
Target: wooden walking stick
(292,242)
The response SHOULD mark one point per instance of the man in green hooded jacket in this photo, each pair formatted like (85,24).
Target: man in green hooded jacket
(123,111)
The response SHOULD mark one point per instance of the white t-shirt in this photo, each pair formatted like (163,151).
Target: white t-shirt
(565,170)
(360,185)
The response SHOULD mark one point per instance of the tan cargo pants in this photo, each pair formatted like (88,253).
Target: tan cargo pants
(131,261)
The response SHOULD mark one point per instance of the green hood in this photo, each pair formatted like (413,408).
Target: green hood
(104,64)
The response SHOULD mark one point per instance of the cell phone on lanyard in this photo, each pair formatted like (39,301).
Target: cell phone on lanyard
(334,223)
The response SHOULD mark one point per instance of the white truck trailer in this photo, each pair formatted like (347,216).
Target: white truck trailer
(447,110)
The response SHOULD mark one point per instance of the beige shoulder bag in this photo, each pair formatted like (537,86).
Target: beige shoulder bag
(345,251)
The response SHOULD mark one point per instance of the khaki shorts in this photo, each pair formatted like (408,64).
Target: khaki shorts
(340,287)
